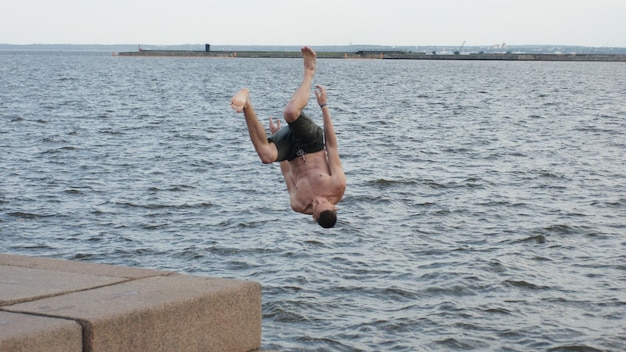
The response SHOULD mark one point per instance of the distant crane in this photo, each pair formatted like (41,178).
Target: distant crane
(458,52)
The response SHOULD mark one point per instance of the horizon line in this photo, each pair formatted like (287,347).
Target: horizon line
(317,45)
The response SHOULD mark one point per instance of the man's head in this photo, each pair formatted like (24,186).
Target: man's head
(324,213)
(327,219)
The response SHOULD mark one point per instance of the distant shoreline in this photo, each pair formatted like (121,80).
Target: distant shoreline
(382,55)
(440,49)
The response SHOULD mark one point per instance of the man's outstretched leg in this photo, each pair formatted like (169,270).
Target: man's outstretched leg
(267,151)
(300,97)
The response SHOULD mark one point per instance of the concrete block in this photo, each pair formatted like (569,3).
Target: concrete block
(78,267)
(27,333)
(21,284)
(163,313)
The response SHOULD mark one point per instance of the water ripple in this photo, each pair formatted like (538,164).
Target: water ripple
(484,205)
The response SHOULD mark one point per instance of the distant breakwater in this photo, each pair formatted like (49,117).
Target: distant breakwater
(382,55)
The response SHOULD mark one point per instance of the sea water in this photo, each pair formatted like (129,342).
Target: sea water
(485,206)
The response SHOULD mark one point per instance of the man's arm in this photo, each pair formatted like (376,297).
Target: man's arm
(332,151)
(285,168)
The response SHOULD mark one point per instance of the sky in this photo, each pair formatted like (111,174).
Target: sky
(597,23)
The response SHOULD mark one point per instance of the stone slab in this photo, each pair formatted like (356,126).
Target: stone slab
(78,267)
(27,333)
(162,313)
(20,284)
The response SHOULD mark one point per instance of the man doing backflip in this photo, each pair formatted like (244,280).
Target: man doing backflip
(308,155)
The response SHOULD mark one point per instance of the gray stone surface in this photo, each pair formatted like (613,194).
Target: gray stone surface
(27,333)
(78,267)
(21,284)
(162,313)
(52,305)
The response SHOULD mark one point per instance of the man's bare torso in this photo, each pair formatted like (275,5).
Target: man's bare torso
(312,178)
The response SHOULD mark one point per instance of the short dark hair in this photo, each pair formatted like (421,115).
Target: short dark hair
(327,219)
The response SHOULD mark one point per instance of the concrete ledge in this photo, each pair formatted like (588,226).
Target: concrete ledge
(26,333)
(78,267)
(27,284)
(126,310)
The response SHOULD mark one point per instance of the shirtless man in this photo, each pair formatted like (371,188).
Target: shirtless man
(311,168)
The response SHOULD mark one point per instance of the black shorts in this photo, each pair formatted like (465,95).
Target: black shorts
(301,137)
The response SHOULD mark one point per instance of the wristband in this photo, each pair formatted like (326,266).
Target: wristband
(322,105)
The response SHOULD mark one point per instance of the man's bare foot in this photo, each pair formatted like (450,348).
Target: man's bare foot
(309,58)
(240,100)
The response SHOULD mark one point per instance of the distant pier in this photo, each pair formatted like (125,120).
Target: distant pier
(382,55)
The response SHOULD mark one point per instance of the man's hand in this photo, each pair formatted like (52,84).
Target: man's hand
(274,127)
(320,93)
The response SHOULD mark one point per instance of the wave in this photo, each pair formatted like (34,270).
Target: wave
(29,216)
(384,182)
(468,210)
(160,206)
